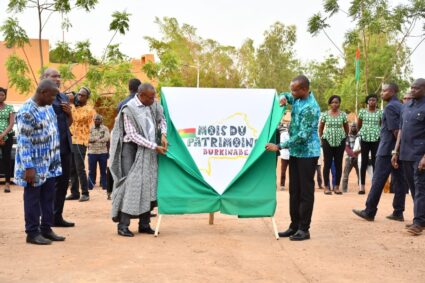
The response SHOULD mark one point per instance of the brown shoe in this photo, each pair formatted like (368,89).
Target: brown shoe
(327,191)
(415,230)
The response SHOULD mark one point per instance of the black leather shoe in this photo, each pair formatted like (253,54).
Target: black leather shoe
(396,217)
(363,214)
(38,240)
(287,233)
(146,230)
(52,236)
(72,197)
(63,223)
(300,235)
(125,232)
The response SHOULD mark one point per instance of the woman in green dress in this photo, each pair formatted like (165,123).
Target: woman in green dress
(369,124)
(333,130)
(7,119)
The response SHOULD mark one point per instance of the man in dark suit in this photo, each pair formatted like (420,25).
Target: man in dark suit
(389,130)
(63,112)
(410,149)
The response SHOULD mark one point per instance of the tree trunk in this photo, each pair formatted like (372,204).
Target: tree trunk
(40,28)
(29,66)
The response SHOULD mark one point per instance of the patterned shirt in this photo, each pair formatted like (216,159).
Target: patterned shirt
(371,125)
(83,119)
(98,141)
(303,137)
(4,118)
(37,143)
(131,134)
(334,128)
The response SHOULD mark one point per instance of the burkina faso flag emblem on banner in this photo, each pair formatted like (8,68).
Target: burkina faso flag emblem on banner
(216,160)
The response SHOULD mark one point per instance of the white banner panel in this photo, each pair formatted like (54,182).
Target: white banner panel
(219,127)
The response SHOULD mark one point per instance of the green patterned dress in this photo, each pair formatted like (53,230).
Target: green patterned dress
(371,124)
(334,128)
(4,118)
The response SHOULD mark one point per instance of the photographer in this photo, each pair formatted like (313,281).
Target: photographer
(82,114)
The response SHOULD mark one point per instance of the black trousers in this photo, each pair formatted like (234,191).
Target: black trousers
(336,154)
(416,180)
(38,205)
(78,170)
(301,191)
(61,184)
(6,153)
(367,147)
(380,176)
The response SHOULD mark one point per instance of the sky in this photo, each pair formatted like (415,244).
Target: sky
(228,22)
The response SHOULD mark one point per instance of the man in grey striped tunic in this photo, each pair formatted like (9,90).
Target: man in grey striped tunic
(134,166)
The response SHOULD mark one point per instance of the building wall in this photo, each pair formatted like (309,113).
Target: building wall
(33,54)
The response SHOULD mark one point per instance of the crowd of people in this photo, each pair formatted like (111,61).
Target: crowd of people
(391,141)
(56,130)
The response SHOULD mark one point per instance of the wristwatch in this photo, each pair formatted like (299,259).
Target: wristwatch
(394,152)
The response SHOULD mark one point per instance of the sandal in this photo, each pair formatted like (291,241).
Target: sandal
(327,191)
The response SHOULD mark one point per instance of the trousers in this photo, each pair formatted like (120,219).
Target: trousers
(301,191)
(38,202)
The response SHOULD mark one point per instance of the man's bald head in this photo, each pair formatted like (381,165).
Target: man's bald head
(417,89)
(46,92)
(53,75)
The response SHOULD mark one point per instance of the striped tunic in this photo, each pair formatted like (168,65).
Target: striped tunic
(37,143)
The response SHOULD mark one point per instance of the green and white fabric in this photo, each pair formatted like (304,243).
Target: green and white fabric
(4,118)
(371,125)
(216,160)
(334,128)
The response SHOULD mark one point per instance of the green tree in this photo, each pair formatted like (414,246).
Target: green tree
(275,58)
(186,59)
(119,24)
(17,70)
(114,54)
(380,31)
(62,53)
(50,7)
(325,77)
(16,37)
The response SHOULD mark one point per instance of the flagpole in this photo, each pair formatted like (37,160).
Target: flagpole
(357,76)
(357,95)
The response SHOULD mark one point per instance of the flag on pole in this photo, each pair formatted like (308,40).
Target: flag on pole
(357,64)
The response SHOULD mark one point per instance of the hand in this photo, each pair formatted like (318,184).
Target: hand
(30,176)
(66,108)
(421,165)
(2,142)
(272,147)
(282,101)
(161,150)
(394,161)
(164,141)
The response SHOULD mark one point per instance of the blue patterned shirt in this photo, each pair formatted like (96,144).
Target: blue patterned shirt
(304,139)
(38,144)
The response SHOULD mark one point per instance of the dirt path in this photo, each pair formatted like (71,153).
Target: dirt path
(343,248)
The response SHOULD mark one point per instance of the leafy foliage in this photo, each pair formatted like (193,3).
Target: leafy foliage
(14,35)
(17,71)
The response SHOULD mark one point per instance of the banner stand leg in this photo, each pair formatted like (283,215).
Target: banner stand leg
(211,218)
(158,223)
(276,234)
